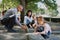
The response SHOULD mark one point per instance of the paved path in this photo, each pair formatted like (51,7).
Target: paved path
(21,36)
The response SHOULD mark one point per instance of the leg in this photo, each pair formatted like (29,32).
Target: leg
(28,23)
(46,35)
(10,24)
(28,26)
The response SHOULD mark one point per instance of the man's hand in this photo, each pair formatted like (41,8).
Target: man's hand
(24,27)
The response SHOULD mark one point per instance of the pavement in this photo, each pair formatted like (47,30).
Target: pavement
(21,35)
(4,35)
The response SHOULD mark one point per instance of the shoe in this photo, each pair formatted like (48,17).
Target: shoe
(11,30)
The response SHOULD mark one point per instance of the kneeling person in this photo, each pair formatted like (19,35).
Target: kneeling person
(43,28)
(14,18)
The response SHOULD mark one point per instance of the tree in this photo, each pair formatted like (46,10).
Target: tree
(22,2)
(29,4)
(52,6)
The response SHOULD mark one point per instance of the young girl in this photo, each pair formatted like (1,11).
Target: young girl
(34,20)
(43,28)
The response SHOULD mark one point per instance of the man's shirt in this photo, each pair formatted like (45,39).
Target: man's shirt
(13,12)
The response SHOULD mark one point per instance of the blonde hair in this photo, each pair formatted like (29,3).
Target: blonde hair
(40,19)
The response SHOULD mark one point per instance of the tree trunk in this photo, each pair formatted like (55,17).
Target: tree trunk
(22,2)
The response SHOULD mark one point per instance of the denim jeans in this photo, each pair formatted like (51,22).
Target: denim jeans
(29,23)
(46,35)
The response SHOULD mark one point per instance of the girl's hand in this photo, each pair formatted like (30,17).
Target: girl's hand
(36,33)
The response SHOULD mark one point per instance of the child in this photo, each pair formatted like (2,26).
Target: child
(43,28)
(34,21)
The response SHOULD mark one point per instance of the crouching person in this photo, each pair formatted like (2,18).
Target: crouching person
(12,17)
(28,20)
(43,28)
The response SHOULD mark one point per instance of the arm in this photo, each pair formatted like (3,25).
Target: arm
(17,21)
(19,18)
(42,32)
(35,29)
(11,16)
(25,20)
(34,25)
(46,29)
(14,12)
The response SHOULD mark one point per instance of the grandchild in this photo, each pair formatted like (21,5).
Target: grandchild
(42,27)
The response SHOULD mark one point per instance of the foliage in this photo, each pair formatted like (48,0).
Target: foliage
(52,6)
(6,4)
(30,4)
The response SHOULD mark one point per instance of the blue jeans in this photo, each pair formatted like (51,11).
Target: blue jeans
(46,35)
(29,23)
